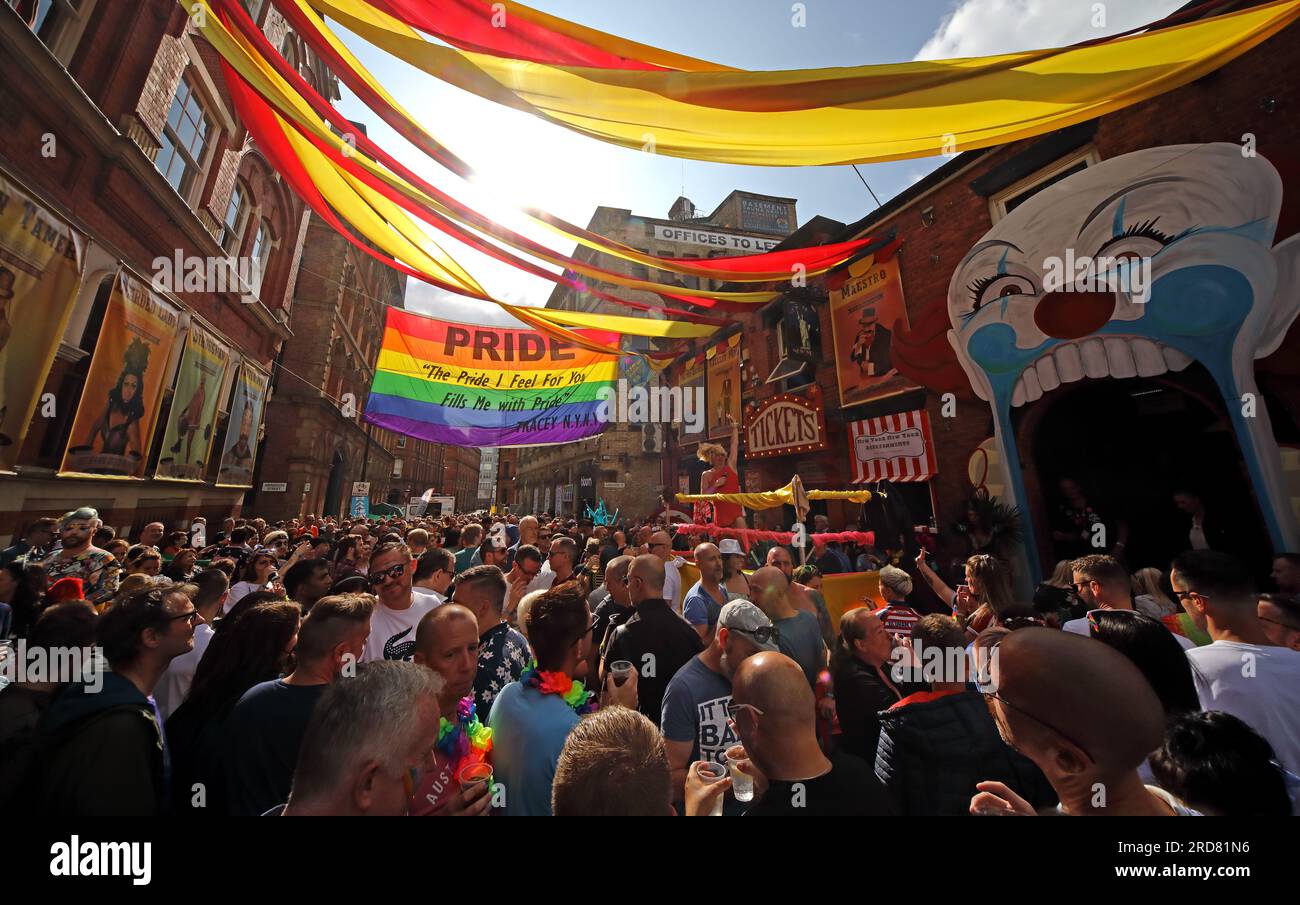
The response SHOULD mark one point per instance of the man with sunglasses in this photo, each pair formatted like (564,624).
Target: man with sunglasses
(661,545)
(1082,712)
(695,704)
(655,640)
(1241,671)
(434,571)
(102,750)
(392,627)
(1103,584)
(773,713)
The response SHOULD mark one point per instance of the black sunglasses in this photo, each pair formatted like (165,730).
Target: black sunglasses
(393,571)
(763,634)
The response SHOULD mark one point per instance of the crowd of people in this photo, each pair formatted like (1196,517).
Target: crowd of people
(477,664)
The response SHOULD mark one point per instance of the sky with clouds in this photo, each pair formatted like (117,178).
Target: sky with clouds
(519,158)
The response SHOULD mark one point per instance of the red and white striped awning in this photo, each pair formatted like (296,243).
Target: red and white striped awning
(892,448)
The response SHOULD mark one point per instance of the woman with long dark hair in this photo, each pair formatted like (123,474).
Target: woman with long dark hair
(252,647)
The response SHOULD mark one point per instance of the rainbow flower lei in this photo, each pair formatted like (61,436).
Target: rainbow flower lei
(466,740)
(573,693)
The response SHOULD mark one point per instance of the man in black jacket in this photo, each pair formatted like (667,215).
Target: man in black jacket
(101,750)
(656,640)
(936,745)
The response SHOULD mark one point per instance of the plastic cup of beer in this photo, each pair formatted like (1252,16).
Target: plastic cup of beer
(621,670)
(742,784)
(712,773)
(473,775)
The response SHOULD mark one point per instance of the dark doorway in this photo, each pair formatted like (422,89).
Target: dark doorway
(334,487)
(1131,443)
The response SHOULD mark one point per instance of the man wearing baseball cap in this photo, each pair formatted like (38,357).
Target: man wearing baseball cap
(694,718)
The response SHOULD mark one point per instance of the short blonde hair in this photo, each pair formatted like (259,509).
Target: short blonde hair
(707,451)
(521,614)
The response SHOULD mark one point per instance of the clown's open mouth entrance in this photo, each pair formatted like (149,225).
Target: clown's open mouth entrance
(1131,442)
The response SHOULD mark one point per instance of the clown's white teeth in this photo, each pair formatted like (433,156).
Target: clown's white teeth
(1174,358)
(1093,352)
(1146,355)
(1033,389)
(1048,379)
(1121,359)
(1068,363)
(1095,357)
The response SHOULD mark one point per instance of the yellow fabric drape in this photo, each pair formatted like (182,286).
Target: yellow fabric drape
(288,104)
(602,244)
(771,499)
(844,115)
(392,231)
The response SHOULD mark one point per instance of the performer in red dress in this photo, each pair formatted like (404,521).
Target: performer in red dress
(721,478)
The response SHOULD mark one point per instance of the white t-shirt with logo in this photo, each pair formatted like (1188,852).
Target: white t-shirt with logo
(392,632)
(1260,685)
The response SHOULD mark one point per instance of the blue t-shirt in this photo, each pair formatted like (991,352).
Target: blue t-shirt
(699,607)
(528,733)
(800,638)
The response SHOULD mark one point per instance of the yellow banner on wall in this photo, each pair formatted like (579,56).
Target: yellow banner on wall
(114,427)
(42,260)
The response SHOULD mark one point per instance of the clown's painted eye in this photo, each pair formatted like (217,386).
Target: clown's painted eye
(985,289)
(1141,240)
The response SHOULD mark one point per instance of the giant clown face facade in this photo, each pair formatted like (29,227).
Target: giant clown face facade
(1197,222)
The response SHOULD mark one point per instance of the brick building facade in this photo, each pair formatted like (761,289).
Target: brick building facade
(91,96)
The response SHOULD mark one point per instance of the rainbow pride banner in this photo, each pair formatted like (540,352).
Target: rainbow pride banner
(469,385)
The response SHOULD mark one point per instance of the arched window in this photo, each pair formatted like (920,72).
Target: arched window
(260,252)
(237,212)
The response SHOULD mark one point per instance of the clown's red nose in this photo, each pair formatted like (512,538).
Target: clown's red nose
(1070,315)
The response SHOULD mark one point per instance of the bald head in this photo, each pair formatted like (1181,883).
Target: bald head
(646,577)
(661,545)
(437,624)
(776,685)
(1090,694)
(615,572)
(767,587)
